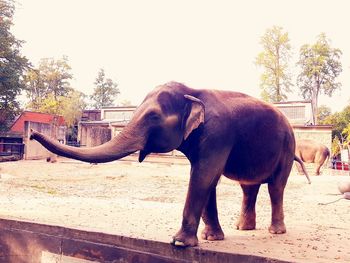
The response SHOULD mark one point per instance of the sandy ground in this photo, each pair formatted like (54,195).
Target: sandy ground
(146,201)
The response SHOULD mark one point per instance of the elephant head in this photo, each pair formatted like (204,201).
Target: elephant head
(165,118)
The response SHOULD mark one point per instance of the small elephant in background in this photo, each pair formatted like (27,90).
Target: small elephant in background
(310,151)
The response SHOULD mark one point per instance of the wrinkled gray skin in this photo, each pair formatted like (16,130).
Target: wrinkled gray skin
(310,151)
(220,132)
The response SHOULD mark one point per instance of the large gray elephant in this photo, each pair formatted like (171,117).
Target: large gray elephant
(310,151)
(220,132)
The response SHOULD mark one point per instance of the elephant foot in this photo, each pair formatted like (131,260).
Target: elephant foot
(183,239)
(246,224)
(211,234)
(278,228)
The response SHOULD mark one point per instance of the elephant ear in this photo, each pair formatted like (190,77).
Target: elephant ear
(195,116)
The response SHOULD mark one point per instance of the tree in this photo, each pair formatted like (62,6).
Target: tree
(322,113)
(336,146)
(12,66)
(57,75)
(339,121)
(275,80)
(49,80)
(49,90)
(35,90)
(69,106)
(105,91)
(125,103)
(320,66)
(72,107)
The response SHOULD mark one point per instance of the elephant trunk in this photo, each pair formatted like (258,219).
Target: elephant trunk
(120,146)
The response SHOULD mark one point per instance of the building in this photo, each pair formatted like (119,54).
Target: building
(99,126)
(300,115)
(11,145)
(37,117)
(16,140)
(94,131)
(297,112)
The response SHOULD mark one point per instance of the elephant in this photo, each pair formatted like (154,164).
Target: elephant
(344,187)
(221,133)
(310,151)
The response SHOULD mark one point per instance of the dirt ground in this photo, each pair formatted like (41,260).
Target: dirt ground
(146,201)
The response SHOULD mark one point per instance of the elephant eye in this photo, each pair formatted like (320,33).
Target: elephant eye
(154,116)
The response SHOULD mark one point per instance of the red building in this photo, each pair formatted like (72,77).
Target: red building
(13,142)
(18,125)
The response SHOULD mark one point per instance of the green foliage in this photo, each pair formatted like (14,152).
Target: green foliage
(275,80)
(12,66)
(48,104)
(346,133)
(56,74)
(320,66)
(69,106)
(49,90)
(322,113)
(339,121)
(72,107)
(105,91)
(126,103)
(336,146)
(51,78)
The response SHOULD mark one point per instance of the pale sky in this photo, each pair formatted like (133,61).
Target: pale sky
(203,44)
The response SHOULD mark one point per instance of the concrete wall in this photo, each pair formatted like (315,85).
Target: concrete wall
(34,150)
(321,134)
(23,242)
(90,136)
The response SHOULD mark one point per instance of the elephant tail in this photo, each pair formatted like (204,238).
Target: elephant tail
(328,155)
(296,158)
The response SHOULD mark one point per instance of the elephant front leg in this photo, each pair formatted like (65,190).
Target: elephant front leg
(212,230)
(201,184)
(247,219)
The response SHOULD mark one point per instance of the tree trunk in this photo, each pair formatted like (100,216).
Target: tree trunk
(314,102)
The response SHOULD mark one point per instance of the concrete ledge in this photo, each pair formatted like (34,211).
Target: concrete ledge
(23,242)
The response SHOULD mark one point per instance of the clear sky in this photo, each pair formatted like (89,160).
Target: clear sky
(204,44)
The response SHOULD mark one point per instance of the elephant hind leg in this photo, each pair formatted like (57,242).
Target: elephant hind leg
(277,221)
(212,230)
(318,167)
(247,217)
(276,192)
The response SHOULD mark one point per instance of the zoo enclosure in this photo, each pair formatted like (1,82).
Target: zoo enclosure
(8,149)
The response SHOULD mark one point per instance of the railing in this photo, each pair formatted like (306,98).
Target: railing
(8,149)
(339,165)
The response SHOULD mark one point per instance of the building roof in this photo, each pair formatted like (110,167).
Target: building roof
(11,135)
(18,125)
(117,123)
(318,127)
(118,107)
(293,102)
